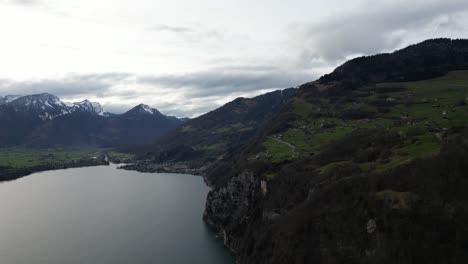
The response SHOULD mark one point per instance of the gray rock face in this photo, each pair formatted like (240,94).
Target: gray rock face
(228,209)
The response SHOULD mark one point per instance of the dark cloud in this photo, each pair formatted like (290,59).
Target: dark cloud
(378,27)
(70,86)
(223,81)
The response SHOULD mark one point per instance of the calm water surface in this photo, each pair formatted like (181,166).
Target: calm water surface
(102,215)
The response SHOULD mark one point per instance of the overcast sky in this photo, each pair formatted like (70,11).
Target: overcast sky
(188,57)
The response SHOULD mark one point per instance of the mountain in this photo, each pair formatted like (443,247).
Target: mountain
(212,136)
(7,99)
(142,110)
(364,165)
(43,120)
(45,106)
(140,125)
(87,106)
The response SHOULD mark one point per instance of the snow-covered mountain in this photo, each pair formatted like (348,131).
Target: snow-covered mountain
(44,120)
(88,106)
(7,99)
(143,110)
(47,106)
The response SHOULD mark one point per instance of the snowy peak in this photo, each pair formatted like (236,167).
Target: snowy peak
(8,99)
(39,101)
(143,109)
(88,106)
(45,105)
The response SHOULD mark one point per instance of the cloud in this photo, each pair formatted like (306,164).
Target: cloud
(226,81)
(185,34)
(233,61)
(38,5)
(71,86)
(378,27)
(182,95)
(26,2)
(168,28)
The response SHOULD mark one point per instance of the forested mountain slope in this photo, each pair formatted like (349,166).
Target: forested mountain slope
(365,165)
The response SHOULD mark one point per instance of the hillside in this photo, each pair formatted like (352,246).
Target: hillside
(213,136)
(365,165)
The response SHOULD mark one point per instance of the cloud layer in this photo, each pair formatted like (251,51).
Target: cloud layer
(379,27)
(188,94)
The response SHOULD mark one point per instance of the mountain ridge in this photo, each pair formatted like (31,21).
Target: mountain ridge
(52,122)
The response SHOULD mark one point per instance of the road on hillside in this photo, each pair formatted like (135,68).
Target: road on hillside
(293,148)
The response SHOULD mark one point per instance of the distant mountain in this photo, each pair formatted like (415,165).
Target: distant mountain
(141,124)
(45,106)
(43,120)
(212,136)
(87,106)
(142,110)
(7,99)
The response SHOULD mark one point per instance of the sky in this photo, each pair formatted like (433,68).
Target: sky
(186,58)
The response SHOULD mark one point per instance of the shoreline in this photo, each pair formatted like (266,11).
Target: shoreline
(11,174)
(167,167)
(147,166)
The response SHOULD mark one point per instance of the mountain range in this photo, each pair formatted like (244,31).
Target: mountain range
(43,120)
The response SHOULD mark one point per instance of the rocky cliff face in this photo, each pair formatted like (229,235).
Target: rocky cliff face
(229,209)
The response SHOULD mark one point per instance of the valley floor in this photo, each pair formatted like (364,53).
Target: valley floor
(19,162)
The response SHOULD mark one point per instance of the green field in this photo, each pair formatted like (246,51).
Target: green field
(420,112)
(120,155)
(25,158)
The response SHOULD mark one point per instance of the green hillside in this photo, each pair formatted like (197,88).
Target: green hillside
(420,113)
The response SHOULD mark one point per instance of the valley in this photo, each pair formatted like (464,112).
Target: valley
(18,162)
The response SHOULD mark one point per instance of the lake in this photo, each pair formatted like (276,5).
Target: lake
(100,215)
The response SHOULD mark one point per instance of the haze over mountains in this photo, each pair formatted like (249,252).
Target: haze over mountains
(43,120)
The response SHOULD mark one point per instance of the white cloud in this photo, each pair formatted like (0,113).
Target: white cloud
(381,27)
